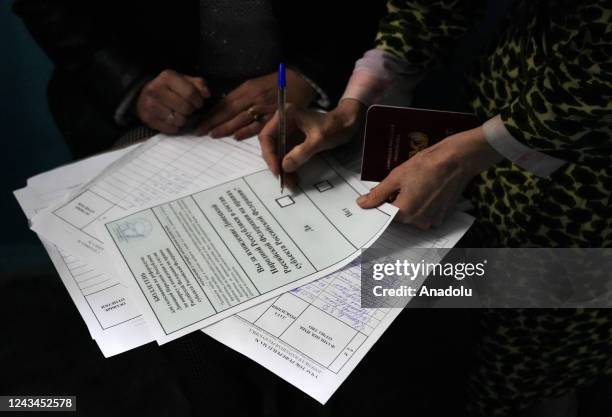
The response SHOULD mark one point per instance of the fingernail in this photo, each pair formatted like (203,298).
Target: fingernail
(289,165)
(361,200)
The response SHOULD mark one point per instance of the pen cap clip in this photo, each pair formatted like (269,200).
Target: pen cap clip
(282,82)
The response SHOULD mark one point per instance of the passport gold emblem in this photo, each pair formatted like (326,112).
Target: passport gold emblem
(418,142)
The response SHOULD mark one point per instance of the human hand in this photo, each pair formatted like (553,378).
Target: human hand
(166,102)
(317,131)
(245,110)
(428,184)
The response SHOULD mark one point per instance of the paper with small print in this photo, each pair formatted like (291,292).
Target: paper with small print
(195,260)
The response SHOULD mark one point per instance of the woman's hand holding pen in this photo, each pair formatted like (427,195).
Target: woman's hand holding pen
(316,131)
(424,188)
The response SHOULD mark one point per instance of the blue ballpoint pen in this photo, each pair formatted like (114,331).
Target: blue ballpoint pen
(282,122)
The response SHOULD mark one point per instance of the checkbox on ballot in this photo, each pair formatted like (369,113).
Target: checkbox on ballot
(285,201)
(324,186)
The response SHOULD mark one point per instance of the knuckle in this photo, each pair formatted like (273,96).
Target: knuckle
(316,137)
(234,106)
(258,90)
(395,174)
(375,193)
(166,74)
(149,88)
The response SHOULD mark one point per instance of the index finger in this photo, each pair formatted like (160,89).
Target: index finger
(378,194)
(268,141)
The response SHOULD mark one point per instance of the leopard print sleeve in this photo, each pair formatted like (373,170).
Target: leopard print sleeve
(565,107)
(423,31)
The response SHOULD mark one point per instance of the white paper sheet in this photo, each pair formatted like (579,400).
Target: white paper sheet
(100,298)
(159,169)
(314,336)
(262,332)
(203,257)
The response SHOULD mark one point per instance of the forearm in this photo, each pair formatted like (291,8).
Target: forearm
(375,72)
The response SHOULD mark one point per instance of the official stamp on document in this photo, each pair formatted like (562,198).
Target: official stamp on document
(134,229)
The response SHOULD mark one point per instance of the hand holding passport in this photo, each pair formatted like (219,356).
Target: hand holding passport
(395,134)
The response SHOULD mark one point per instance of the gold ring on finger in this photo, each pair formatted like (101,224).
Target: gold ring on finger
(254,115)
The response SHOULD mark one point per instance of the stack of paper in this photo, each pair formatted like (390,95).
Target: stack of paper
(186,233)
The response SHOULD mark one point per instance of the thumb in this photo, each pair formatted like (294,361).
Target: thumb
(378,194)
(313,143)
(300,155)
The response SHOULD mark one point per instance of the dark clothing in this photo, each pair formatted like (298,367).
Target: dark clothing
(103,49)
(239,39)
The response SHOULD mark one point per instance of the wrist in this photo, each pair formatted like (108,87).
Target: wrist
(343,122)
(349,111)
(473,153)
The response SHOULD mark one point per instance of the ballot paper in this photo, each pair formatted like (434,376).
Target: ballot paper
(101,299)
(195,260)
(264,332)
(160,168)
(315,335)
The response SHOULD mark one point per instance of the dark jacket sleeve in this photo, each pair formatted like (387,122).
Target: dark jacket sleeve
(67,31)
(323,39)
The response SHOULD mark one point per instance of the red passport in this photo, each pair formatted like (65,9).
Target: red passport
(395,134)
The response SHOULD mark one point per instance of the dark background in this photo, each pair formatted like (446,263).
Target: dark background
(30,142)
(45,347)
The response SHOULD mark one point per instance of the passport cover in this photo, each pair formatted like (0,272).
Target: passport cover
(395,134)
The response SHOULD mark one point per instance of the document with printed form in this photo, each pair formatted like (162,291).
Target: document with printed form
(210,254)
(100,297)
(315,335)
(312,336)
(160,168)
(233,244)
